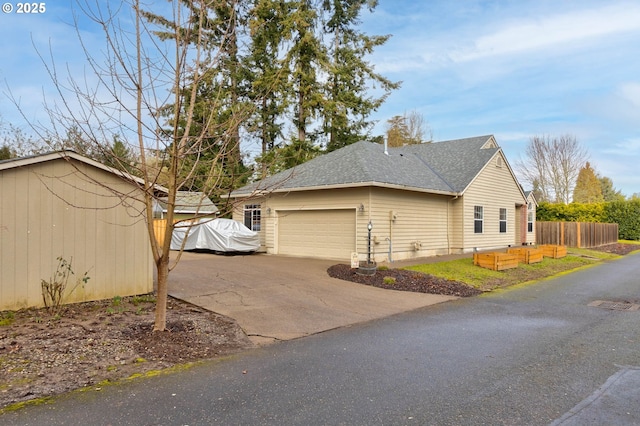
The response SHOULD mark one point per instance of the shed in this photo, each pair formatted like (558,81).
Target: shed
(64,205)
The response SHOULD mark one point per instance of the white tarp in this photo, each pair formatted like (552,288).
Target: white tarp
(220,235)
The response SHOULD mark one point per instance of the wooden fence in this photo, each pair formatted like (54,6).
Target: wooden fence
(576,234)
(159,226)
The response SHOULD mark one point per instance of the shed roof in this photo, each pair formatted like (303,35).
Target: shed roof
(191,202)
(68,155)
(442,167)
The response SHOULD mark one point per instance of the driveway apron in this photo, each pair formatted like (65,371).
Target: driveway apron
(281,298)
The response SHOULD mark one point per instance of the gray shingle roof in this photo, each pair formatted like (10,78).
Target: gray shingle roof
(189,202)
(442,167)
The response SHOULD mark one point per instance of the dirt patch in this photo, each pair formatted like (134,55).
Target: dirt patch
(93,342)
(400,279)
(618,248)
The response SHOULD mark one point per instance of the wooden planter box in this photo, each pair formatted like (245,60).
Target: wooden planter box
(554,251)
(495,261)
(527,255)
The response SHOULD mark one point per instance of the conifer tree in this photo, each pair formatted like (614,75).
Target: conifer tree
(587,189)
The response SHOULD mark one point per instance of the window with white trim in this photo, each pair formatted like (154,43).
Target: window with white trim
(252,216)
(478,219)
(503,221)
(530,212)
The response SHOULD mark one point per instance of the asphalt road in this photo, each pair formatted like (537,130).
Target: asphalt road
(532,355)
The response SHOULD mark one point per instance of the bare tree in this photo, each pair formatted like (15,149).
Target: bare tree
(144,72)
(552,165)
(418,127)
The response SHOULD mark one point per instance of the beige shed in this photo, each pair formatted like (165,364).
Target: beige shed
(64,205)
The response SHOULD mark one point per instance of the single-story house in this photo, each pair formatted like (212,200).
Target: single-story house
(64,205)
(189,204)
(421,200)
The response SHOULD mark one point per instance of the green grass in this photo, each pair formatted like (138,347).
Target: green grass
(6,318)
(463,269)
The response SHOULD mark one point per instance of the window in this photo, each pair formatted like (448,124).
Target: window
(503,220)
(530,212)
(252,216)
(478,215)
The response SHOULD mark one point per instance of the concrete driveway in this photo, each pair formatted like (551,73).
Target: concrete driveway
(281,298)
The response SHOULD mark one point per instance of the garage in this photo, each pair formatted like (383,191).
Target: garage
(329,234)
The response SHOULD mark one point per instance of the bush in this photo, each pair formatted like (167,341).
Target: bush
(627,215)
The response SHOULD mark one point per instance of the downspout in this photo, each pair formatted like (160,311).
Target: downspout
(449,223)
(390,249)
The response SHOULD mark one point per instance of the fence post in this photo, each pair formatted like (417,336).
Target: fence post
(578,242)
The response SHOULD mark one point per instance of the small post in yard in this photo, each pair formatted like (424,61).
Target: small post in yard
(368,268)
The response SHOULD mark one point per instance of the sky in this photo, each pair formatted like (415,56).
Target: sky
(511,68)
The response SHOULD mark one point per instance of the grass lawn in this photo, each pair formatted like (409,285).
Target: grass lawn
(485,279)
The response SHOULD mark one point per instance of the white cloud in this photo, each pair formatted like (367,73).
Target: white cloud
(553,31)
(631,93)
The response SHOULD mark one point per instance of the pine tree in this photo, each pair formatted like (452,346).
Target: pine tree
(218,108)
(587,189)
(347,104)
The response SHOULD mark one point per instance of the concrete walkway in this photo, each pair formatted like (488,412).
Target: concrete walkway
(280,298)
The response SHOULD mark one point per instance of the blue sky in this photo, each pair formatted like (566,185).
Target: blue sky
(511,68)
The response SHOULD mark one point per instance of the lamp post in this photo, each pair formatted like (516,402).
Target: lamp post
(369,228)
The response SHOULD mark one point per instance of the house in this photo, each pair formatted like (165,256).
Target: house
(421,200)
(189,204)
(63,205)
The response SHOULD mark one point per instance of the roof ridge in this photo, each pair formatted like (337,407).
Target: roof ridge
(435,172)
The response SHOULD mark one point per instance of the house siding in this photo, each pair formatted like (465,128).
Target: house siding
(420,217)
(494,188)
(52,209)
(419,228)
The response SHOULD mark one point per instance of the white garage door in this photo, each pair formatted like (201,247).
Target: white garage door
(328,234)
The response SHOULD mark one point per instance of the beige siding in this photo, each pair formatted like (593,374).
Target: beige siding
(494,188)
(420,218)
(53,209)
(415,223)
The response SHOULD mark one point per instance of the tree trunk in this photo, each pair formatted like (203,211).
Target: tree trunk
(161,297)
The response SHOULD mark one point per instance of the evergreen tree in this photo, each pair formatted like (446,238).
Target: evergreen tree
(305,57)
(266,76)
(347,104)
(609,193)
(397,131)
(6,153)
(587,189)
(218,107)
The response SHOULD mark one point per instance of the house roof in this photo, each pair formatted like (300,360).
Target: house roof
(442,167)
(191,202)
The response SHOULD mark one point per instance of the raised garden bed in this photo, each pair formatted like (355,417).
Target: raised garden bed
(495,261)
(554,251)
(527,255)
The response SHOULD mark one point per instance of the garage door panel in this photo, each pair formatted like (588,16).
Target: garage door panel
(317,233)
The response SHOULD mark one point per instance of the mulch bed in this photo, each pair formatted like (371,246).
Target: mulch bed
(405,281)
